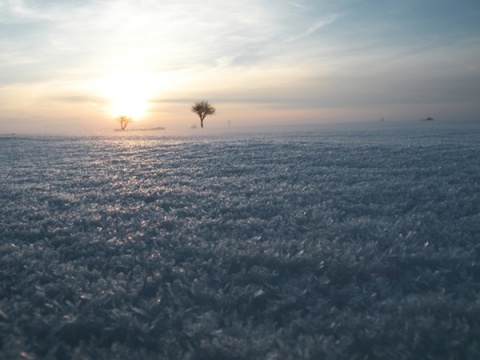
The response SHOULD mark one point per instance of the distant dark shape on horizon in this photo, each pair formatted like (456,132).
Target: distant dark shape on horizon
(428,119)
(124,121)
(202,109)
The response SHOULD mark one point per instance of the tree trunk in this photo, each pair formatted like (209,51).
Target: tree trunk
(201,123)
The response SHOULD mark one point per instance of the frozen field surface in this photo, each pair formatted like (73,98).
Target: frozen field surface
(321,244)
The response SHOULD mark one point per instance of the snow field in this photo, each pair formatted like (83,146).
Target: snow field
(348,245)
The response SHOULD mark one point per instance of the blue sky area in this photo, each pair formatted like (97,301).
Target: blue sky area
(77,65)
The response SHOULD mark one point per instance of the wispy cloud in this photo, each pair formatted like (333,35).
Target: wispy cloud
(297,5)
(313,28)
(78,99)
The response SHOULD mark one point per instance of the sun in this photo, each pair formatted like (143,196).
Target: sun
(128,93)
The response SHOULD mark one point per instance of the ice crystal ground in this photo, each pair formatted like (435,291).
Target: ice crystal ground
(315,245)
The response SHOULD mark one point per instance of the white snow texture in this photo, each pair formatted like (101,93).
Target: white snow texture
(333,244)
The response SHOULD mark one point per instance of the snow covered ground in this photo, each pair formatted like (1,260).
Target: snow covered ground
(331,243)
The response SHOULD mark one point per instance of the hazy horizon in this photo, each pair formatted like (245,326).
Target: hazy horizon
(136,130)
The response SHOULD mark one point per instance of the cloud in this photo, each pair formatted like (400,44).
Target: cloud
(78,99)
(297,5)
(317,25)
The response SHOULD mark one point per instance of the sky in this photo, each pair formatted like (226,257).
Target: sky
(74,66)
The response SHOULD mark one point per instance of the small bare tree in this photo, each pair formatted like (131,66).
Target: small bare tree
(202,109)
(124,121)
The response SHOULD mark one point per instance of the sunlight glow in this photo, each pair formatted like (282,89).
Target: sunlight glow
(128,93)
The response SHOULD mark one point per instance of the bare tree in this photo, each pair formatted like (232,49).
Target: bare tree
(124,121)
(202,109)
